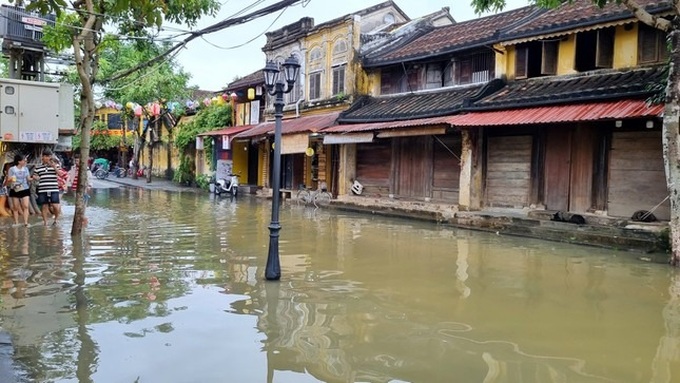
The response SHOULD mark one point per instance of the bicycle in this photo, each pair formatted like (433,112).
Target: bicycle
(319,197)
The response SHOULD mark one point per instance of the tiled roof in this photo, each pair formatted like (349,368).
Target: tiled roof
(312,124)
(412,105)
(580,13)
(451,38)
(605,85)
(255,78)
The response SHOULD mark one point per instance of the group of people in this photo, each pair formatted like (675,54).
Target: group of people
(51,179)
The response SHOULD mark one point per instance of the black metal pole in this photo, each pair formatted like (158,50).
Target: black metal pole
(273,268)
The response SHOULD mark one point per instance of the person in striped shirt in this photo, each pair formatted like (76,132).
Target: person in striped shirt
(48,187)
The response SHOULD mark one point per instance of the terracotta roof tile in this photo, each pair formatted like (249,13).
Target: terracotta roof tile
(450,38)
(311,124)
(604,85)
(255,78)
(578,14)
(409,106)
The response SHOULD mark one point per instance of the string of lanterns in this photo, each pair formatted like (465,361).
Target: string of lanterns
(154,108)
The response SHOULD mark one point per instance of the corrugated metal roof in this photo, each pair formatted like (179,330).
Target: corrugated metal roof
(230,131)
(373,126)
(310,124)
(559,113)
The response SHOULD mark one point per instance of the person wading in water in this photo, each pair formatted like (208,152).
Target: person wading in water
(48,187)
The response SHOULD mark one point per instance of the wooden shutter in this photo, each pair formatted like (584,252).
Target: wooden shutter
(549,57)
(648,48)
(386,86)
(463,71)
(522,62)
(314,86)
(604,53)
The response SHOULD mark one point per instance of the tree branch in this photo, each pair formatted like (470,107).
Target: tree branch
(652,20)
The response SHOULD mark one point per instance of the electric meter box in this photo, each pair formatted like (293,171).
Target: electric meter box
(34,112)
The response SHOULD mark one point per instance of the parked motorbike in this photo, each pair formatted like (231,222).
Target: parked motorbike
(228,186)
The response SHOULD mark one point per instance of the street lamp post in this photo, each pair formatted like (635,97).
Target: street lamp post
(277,87)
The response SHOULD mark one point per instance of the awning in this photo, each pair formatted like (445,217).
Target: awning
(373,126)
(347,138)
(311,124)
(230,131)
(559,113)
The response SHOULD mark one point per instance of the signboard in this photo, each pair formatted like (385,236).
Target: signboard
(36,136)
(224,168)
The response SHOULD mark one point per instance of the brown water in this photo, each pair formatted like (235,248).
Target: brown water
(169,288)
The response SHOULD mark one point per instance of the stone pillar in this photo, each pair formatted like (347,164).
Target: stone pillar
(347,168)
(470,196)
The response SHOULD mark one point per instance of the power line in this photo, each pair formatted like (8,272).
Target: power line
(229,22)
(249,41)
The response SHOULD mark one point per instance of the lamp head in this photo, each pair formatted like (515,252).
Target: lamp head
(271,74)
(291,68)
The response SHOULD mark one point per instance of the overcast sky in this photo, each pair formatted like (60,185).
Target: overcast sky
(216,59)
(213,67)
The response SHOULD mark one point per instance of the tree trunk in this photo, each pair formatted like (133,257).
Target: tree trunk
(87,65)
(671,129)
(151,142)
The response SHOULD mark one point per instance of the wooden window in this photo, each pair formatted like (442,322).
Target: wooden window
(412,83)
(315,54)
(387,83)
(315,86)
(114,121)
(463,69)
(340,47)
(522,62)
(651,45)
(604,54)
(549,57)
(339,80)
(433,76)
(474,68)
(594,49)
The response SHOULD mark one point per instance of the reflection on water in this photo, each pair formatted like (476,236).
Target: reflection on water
(168,288)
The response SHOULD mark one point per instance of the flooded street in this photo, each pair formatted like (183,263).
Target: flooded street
(169,287)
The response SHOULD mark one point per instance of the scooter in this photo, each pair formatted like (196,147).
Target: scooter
(229,185)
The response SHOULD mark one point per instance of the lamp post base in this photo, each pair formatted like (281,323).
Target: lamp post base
(273,269)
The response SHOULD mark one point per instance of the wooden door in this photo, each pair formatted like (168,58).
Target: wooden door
(374,164)
(446,168)
(414,174)
(508,171)
(637,179)
(557,168)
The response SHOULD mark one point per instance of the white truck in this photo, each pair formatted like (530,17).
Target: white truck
(35,112)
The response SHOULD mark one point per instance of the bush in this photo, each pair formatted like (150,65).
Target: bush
(203,181)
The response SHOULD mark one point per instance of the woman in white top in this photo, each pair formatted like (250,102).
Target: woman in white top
(17,181)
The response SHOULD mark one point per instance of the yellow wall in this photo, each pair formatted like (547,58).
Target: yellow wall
(566,56)
(626,46)
(325,39)
(625,52)
(239,156)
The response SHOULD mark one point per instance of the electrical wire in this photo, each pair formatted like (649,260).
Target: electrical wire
(226,23)
(249,41)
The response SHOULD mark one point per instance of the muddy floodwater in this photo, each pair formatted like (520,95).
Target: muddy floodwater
(169,288)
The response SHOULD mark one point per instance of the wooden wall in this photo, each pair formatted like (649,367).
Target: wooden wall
(508,171)
(446,168)
(413,158)
(636,174)
(374,164)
